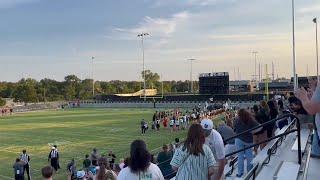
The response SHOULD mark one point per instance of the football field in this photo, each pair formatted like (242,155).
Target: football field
(75,132)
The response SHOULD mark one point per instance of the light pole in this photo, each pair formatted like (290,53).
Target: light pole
(255,64)
(92,60)
(142,35)
(191,82)
(295,81)
(317,54)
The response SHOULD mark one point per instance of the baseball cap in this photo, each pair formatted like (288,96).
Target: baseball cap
(207,124)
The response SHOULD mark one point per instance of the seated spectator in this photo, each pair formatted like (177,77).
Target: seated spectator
(194,153)
(72,169)
(227,132)
(140,166)
(116,169)
(18,168)
(104,170)
(121,163)
(81,175)
(47,173)
(301,113)
(171,149)
(244,122)
(164,158)
(177,143)
(86,162)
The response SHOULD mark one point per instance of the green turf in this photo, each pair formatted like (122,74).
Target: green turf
(76,131)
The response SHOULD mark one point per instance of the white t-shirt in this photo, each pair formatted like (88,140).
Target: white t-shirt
(171,122)
(215,142)
(153,173)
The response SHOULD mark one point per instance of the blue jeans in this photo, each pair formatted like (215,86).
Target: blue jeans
(243,154)
(315,150)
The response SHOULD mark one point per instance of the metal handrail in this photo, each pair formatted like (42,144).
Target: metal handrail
(275,146)
(295,118)
(306,169)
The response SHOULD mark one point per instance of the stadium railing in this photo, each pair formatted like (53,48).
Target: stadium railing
(280,137)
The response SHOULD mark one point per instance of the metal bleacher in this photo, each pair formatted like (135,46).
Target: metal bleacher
(285,157)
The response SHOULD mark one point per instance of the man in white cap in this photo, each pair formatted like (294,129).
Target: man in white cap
(54,158)
(215,142)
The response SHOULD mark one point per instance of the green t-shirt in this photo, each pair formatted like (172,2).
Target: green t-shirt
(86,163)
(164,162)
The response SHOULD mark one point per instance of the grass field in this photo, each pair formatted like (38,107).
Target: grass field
(76,132)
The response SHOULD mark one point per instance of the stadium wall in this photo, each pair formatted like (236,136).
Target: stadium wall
(157,105)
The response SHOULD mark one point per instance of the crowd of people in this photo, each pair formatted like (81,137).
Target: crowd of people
(204,152)
(6,111)
(175,120)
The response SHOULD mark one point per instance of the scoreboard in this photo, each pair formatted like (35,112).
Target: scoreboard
(214,83)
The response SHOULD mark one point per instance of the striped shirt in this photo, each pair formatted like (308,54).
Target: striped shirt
(54,154)
(25,158)
(193,167)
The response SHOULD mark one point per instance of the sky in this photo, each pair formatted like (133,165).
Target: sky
(51,39)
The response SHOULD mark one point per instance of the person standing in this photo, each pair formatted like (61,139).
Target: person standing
(86,162)
(25,158)
(143,125)
(112,157)
(140,165)
(214,140)
(243,122)
(72,169)
(194,160)
(47,173)
(164,158)
(18,168)
(94,157)
(53,158)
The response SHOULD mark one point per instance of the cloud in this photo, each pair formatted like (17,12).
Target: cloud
(160,29)
(309,9)
(249,37)
(159,3)
(12,3)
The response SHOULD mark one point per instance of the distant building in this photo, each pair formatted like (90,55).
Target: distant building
(214,83)
(303,80)
(276,86)
(240,86)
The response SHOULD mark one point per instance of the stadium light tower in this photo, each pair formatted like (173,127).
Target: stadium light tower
(92,61)
(191,82)
(255,65)
(317,53)
(142,35)
(295,81)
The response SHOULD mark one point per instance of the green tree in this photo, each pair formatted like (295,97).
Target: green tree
(26,91)
(151,78)
(2,102)
(71,87)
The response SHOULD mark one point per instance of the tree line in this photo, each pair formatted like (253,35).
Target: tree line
(31,90)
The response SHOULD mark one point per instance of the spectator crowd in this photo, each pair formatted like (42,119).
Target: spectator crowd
(204,152)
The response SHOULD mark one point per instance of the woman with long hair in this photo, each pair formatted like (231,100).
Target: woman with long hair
(243,122)
(140,166)
(194,160)
(261,135)
(104,171)
(273,112)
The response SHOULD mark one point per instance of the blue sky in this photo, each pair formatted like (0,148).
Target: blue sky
(46,38)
